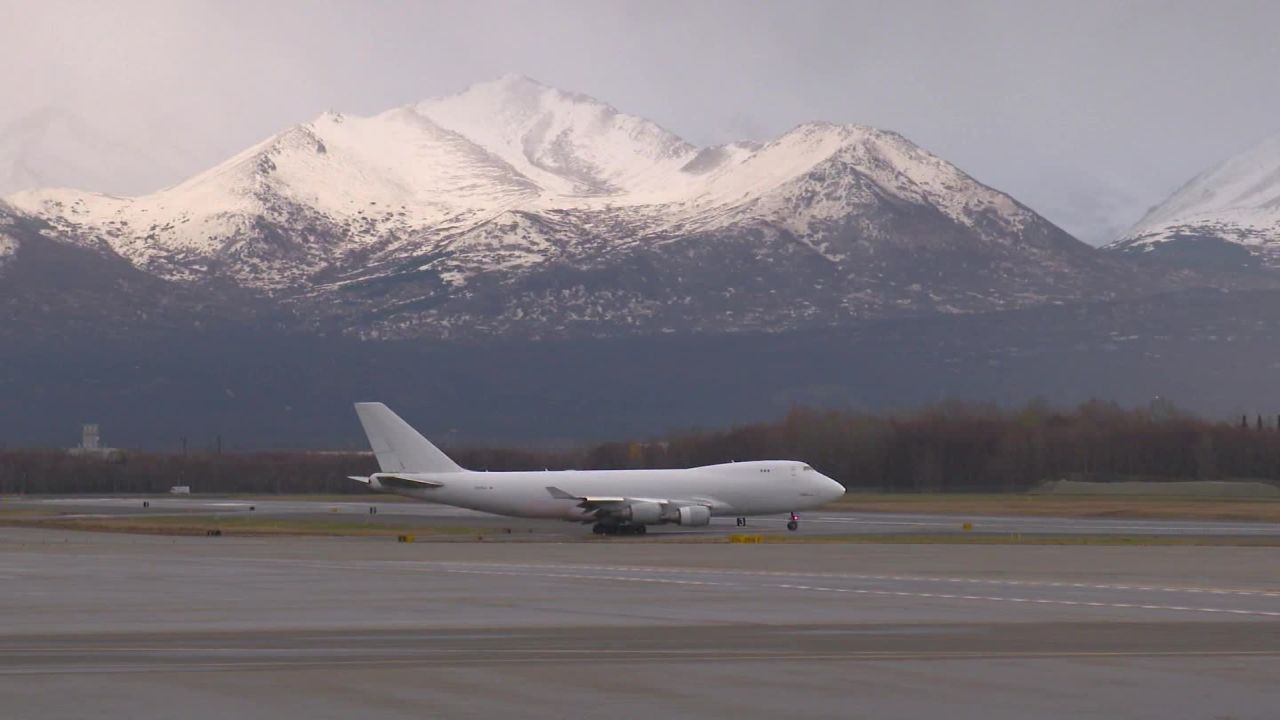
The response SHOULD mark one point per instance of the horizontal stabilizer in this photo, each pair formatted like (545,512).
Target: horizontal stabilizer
(407,482)
(392,480)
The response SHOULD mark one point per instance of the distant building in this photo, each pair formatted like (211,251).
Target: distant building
(91,445)
(91,440)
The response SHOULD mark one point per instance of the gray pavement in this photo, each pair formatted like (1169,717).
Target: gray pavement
(816,522)
(158,627)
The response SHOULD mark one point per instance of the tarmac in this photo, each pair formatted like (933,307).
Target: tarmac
(127,626)
(819,522)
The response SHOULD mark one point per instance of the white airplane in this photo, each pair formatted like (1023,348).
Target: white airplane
(617,501)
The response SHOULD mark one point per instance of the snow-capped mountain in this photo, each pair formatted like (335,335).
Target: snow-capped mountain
(514,208)
(1228,216)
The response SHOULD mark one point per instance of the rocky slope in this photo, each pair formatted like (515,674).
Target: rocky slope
(515,209)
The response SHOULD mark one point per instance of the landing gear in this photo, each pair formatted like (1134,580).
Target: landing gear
(794,523)
(618,529)
(742,522)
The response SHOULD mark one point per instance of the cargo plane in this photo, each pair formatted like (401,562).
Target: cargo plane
(616,502)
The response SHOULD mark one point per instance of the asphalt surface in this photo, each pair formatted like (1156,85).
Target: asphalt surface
(124,626)
(815,522)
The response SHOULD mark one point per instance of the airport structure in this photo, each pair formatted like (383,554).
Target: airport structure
(91,444)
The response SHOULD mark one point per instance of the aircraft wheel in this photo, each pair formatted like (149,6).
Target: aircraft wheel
(641,529)
(793,525)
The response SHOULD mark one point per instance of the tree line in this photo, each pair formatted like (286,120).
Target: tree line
(949,447)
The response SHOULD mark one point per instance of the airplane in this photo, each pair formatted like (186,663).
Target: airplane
(617,502)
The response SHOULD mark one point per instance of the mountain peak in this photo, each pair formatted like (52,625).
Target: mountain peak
(517,89)
(569,144)
(1229,214)
(1248,181)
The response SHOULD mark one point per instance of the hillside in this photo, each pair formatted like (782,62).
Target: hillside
(517,210)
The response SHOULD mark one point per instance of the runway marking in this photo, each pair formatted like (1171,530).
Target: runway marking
(1038,601)
(617,656)
(852,576)
(880,593)
(589,572)
(665,581)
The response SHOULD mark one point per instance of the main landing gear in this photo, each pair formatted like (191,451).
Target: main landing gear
(618,529)
(742,522)
(794,523)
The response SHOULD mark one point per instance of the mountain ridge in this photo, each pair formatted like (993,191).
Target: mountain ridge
(513,208)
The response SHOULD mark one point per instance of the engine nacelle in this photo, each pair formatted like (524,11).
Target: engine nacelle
(644,513)
(694,515)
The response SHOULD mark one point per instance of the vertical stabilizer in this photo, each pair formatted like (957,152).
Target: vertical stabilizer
(398,446)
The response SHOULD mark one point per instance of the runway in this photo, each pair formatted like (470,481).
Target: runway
(815,522)
(151,627)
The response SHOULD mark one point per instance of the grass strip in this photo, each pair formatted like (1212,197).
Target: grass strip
(1072,506)
(243,526)
(1016,539)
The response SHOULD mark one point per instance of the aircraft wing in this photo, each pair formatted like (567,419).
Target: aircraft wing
(593,503)
(590,502)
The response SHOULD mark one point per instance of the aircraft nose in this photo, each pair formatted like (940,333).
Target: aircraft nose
(833,490)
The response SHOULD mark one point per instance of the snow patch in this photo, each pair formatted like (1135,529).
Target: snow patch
(1237,200)
(569,144)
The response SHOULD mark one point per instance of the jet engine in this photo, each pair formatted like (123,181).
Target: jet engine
(643,513)
(651,513)
(694,515)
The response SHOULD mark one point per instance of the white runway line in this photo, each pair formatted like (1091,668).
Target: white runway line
(1038,601)
(880,593)
(592,573)
(851,576)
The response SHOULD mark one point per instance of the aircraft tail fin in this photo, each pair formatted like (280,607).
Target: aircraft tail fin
(398,446)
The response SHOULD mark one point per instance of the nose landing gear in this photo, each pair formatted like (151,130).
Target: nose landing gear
(794,523)
(742,522)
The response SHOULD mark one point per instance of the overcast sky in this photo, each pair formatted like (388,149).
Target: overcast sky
(1089,112)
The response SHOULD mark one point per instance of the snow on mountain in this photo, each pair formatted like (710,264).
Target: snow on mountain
(1229,213)
(569,144)
(829,166)
(515,205)
(324,187)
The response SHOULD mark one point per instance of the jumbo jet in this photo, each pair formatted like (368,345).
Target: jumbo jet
(617,502)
